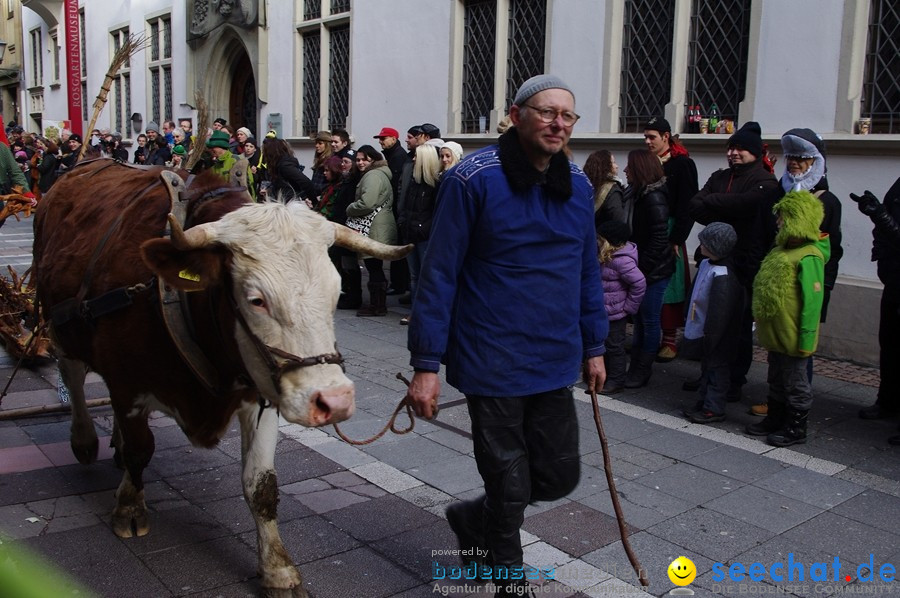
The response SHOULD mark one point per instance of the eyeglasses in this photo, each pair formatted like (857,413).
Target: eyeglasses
(548,115)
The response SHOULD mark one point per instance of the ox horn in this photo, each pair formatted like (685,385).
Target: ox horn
(194,237)
(350,239)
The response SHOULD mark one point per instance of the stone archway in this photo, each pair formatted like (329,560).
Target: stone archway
(243,108)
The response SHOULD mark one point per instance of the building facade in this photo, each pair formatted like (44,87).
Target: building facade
(298,66)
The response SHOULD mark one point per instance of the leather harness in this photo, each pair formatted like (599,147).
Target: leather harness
(174,305)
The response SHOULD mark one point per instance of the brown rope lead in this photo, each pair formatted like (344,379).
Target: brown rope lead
(620,518)
(390,425)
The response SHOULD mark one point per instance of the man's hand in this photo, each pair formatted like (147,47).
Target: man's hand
(423,393)
(677,250)
(595,373)
(868,204)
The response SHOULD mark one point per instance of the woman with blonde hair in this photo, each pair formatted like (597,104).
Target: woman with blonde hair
(418,209)
(451,154)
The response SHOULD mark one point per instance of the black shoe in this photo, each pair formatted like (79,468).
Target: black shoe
(876,411)
(794,430)
(691,385)
(689,411)
(345,302)
(706,417)
(465,520)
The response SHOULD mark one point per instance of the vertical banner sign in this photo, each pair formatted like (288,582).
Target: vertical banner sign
(73,65)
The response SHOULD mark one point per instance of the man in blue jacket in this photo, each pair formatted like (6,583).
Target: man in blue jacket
(511,301)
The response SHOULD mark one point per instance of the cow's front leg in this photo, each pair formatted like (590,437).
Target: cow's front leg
(137,445)
(83,435)
(280,577)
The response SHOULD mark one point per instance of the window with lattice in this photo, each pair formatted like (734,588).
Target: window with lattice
(324,38)
(646,85)
(522,56)
(160,68)
(37,57)
(717,67)
(881,78)
(121,85)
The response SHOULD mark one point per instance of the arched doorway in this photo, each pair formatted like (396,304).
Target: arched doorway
(242,100)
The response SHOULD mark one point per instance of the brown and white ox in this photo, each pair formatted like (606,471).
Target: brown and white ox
(262,297)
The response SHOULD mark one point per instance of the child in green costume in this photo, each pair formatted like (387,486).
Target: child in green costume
(788,293)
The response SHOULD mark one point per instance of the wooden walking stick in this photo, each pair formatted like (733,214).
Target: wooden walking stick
(131,46)
(620,518)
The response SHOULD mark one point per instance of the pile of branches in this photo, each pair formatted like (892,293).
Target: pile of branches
(16,312)
(15,203)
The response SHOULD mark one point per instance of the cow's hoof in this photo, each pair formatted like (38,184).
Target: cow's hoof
(131,525)
(85,451)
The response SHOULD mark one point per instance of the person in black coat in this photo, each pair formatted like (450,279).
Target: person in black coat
(396,157)
(886,253)
(285,173)
(609,196)
(743,196)
(656,260)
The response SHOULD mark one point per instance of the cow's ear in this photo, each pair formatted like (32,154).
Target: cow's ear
(191,270)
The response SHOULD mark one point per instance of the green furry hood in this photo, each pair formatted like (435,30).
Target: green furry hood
(802,214)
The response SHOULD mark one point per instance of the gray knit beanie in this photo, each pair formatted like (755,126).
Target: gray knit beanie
(719,238)
(539,83)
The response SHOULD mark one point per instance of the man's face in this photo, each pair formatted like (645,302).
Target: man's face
(217,126)
(186,126)
(142,140)
(737,155)
(74,144)
(540,139)
(412,142)
(337,144)
(217,152)
(166,128)
(656,143)
(151,135)
(387,142)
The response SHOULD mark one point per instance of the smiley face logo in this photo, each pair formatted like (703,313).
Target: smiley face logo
(682,571)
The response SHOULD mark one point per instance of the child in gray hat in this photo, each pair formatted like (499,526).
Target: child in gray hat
(713,319)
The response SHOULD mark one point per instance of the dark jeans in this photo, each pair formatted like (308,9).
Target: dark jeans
(889,343)
(616,360)
(375,268)
(788,383)
(715,378)
(526,449)
(740,365)
(647,328)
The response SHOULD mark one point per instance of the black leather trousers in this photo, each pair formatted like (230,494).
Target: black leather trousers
(526,449)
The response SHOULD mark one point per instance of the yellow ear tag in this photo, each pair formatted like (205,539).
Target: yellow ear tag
(187,275)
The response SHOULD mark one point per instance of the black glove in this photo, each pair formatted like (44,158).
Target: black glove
(868,204)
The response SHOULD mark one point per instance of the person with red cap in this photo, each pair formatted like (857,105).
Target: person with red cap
(396,158)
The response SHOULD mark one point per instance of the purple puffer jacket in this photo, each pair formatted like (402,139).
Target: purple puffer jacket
(623,283)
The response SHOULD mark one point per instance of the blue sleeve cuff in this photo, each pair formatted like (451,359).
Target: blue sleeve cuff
(428,363)
(594,351)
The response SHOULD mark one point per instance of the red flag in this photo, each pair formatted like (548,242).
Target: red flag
(3,136)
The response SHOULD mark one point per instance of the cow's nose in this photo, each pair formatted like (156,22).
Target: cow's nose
(332,405)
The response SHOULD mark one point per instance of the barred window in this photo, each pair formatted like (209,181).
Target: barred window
(717,68)
(881,78)
(339,90)
(527,34)
(121,85)
(524,25)
(160,68)
(325,43)
(312,42)
(54,56)
(37,58)
(646,62)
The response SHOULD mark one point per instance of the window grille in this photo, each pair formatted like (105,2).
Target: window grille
(312,43)
(339,6)
(881,78)
(122,86)
(54,41)
(312,9)
(160,69)
(646,62)
(83,41)
(339,88)
(525,58)
(717,68)
(478,62)
(37,58)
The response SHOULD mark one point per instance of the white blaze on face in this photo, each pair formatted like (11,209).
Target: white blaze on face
(287,288)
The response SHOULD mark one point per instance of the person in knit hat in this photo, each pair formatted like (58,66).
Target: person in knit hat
(682,184)
(742,195)
(511,302)
(788,293)
(233,168)
(624,286)
(713,320)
